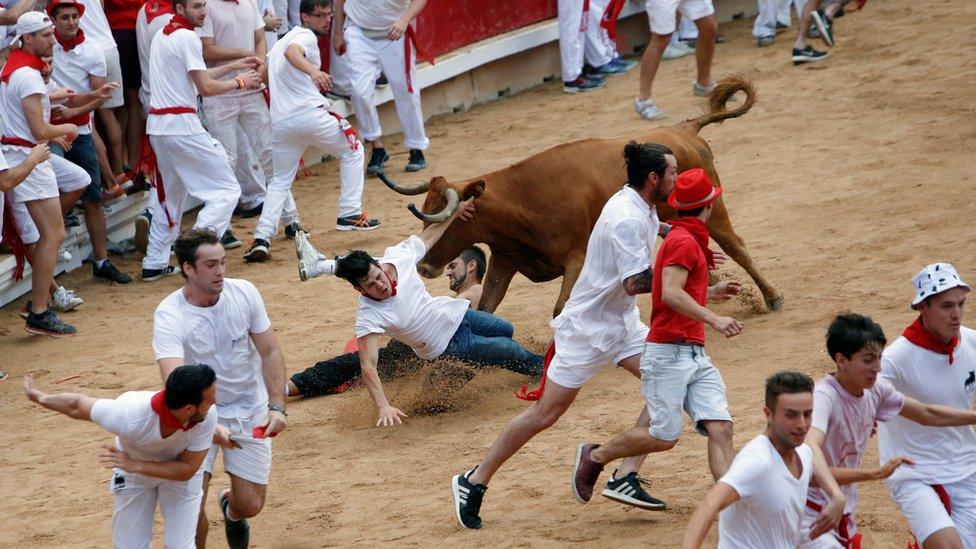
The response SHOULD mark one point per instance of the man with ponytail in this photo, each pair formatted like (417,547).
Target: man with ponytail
(600,324)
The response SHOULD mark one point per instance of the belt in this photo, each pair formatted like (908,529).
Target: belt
(173,110)
(843,529)
(17,141)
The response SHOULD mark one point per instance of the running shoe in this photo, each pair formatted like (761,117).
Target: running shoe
(376,161)
(47,323)
(247,213)
(583,84)
(357,223)
(310,261)
(294,228)
(108,272)
(628,490)
(417,161)
(648,110)
(625,63)
(807,55)
(238,531)
(64,254)
(65,299)
(467,500)
(825,27)
(585,472)
(229,241)
(608,69)
(141,238)
(702,91)
(677,50)
(151,275)
(258,252)
(764,41)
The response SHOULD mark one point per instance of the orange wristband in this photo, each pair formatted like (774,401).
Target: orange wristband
(240,82)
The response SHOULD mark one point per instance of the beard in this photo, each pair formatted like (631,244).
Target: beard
(457,281)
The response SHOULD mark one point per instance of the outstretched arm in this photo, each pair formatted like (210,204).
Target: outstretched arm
(433,233)
(719,497)
(846,475)
(369,350)
(73,405)
(934,415)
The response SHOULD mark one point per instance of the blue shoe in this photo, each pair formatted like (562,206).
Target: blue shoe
(625,63)
(608,69)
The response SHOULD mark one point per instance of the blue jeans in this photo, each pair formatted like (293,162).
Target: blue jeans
(83,154)
(484,338)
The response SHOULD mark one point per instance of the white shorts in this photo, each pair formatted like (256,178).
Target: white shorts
(252,461)
(136,497)
(830,540)
(577,360)
(113,73)
(25,224)
(676,376)
(926,515)
(662,14)
(39,184)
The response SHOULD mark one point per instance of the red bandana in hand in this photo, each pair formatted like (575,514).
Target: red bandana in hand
(177,22)
(917,334)
(166,417)
(19,59)
(699,230)
(66,44)
(155,9)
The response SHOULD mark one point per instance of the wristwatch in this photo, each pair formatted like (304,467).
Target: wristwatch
(277,408)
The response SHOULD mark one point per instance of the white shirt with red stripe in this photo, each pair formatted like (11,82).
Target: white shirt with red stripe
(74,69)
(292,91)
(942,454)
(23,83)
(171,58)
(375,14)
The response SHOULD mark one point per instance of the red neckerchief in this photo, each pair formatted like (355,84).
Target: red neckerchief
(155,9)
(917,334)
(166,417)
(393,284)
(19,59)
(699,230)
(68,45)
(177,22)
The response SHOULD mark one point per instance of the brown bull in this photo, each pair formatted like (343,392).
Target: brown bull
(536,215)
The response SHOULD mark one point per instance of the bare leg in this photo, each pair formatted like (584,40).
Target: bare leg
(135,127)
(376,143)
(47,217)
(650,62)
(246,498)
(804,24)
(104,167)
(705,48)
(632,442)
(68,200)
(946,538)
(633,464)
(203,527)
(97,231)
(720,452)
(112,130)
(536,418)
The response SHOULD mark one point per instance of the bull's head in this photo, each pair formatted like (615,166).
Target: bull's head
(441,203)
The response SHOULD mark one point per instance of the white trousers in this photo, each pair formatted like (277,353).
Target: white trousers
(290,138)
(598,49)
(228,117)
(339,69)
(571,38)
(772,12)
(365,58)
(136,498)
(190,165)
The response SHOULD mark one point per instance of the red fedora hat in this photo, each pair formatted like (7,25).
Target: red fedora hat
(693,189)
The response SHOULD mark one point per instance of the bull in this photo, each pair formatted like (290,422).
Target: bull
(536,215)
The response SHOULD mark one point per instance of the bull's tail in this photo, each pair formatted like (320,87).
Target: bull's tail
(724,90)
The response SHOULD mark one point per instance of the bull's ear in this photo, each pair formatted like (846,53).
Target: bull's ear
(438,184)
(473,189)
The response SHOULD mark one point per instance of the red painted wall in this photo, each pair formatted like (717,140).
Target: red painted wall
(446,25)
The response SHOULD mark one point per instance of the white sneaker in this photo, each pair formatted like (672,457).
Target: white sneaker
(63,254)
(65,299)
(311,263)
(677,51)
(702,91)
(648,110)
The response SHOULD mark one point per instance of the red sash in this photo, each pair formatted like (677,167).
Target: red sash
(16,141)
(11,235)
(536,394)
(586,15)
(410,39)
(147,165)
(156,8)
(843,529)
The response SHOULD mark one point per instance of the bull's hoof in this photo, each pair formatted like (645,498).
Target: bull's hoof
(775,303)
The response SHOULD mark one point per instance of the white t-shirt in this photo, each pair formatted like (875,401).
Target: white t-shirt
(23,83)
(621,245)
(95,24)
(171,58)
(942,454)
(218,336)
(375,14)
(847,422)
(73,69)
(771,500)
(293,92)
(3,167)
(136,425)
(412,316)
(231,24)
(145,32)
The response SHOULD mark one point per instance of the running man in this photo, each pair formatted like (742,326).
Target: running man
(676,372)
(600,324)
(222,322)
(760,500)
(934,361)
(161,441)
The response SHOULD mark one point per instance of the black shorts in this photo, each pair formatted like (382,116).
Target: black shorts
(128,57)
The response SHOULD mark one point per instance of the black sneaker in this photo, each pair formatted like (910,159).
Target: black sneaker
(357,223)
(248,213)
(417,161)
(108,272)
(47,323)
(141,238)
(71,220)
(294,228)
(467,500)
(229,241)
(151,275)
(628,490)
(376,160)
(825,26)
(258,252)
(807,55)
(238,531)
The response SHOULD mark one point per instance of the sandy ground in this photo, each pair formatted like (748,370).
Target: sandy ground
(824,180)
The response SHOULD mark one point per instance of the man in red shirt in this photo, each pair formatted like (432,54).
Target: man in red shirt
(676,372)
(122,16)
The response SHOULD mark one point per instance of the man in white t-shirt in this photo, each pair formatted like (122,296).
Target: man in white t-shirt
(378,37)
(189,161)
(760,499)
(847,405)
(161,441)
(599,324)
(302,119)
(223,322)
(935,362)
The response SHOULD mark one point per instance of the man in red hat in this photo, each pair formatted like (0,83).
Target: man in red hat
(676,372)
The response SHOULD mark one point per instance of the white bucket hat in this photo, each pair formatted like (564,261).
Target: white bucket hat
(935,279)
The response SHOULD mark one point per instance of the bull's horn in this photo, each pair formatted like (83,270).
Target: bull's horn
(410,191)
(448,211)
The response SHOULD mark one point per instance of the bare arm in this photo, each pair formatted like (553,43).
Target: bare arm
(260,45)
(12,177)
(718,498)
(212,53)
(399,27)
(639,283)
(41,129)
(273,369)
(934,415)
(369,346)
(181,469)
(167,365)
(845,475)
(673,279)
(832,512)
(433,233)
(10,15)
(73,405)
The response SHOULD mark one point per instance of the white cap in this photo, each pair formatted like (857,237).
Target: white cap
(935,279)
(31,21)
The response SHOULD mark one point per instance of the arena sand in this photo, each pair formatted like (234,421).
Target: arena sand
(845,179)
